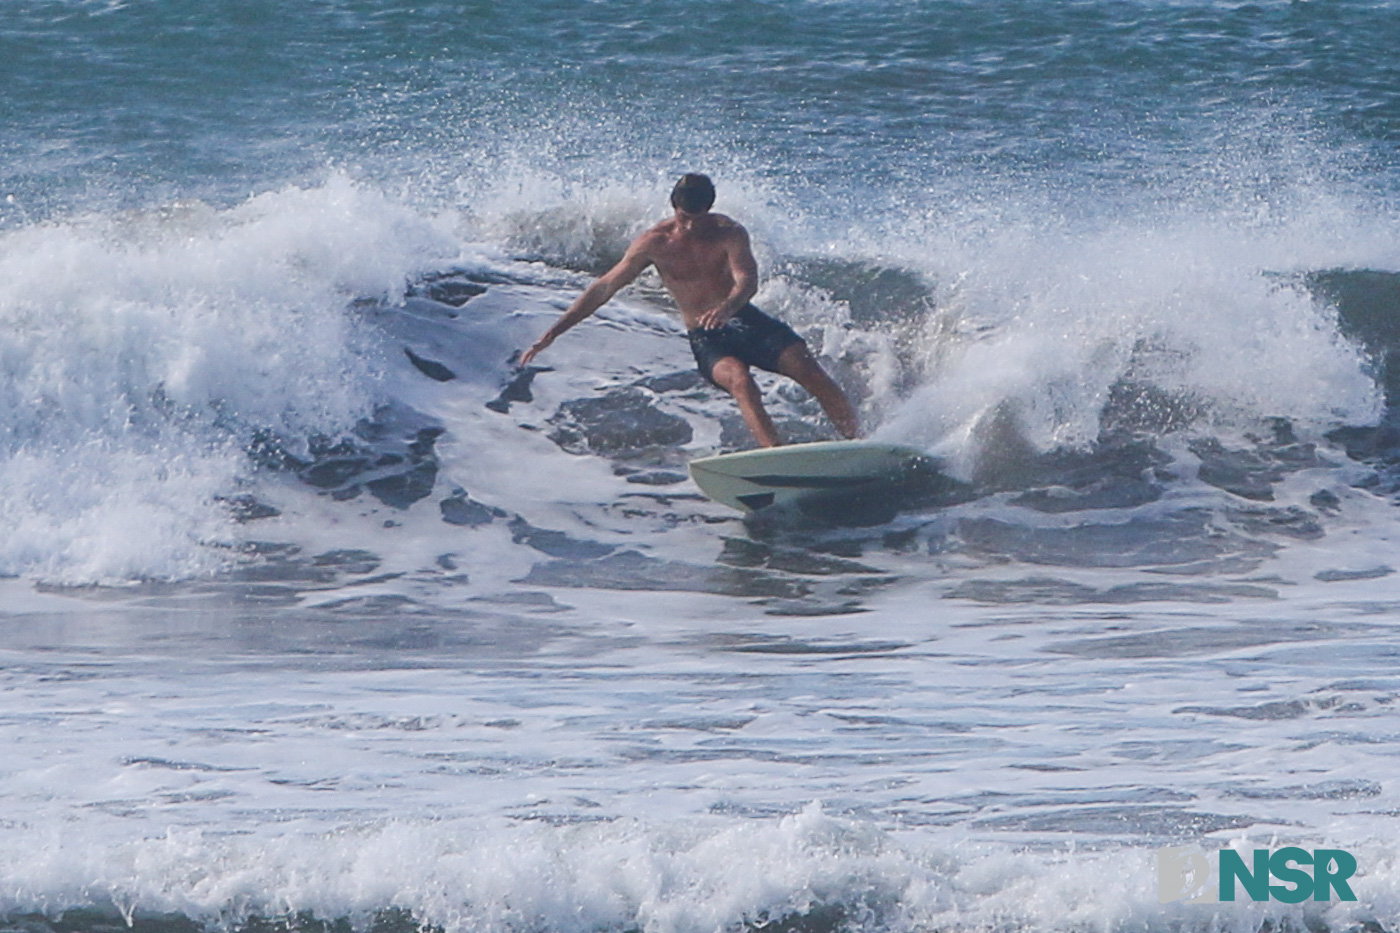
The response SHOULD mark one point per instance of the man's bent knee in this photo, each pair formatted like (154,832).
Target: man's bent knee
(731,374)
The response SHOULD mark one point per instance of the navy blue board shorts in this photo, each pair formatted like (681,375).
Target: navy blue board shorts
(750,335)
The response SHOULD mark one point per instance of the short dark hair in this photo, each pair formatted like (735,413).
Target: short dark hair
(694,193)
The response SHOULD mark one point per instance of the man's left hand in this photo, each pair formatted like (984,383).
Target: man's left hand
(715,318)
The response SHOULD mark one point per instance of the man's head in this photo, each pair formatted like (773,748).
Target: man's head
(693,194)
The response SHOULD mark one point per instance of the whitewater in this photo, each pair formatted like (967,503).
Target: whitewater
(318,613)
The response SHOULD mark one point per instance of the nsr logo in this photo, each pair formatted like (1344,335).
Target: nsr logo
(1184,873)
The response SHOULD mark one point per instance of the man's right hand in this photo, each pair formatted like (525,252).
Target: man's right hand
(594,296)
(534,351)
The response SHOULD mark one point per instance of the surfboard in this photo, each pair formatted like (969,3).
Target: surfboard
(774,476)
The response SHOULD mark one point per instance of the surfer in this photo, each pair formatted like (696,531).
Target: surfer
(707,265)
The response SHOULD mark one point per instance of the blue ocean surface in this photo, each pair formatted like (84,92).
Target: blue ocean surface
(317,614)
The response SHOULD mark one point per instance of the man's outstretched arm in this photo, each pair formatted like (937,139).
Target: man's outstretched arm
(594,297)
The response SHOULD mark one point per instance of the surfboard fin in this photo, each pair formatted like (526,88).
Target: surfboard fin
(757,500)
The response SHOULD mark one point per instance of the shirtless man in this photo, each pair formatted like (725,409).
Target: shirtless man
(706,264)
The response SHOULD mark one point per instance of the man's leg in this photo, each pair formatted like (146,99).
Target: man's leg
(798,364)
(732,374)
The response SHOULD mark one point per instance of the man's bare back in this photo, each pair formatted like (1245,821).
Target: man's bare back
(707,265)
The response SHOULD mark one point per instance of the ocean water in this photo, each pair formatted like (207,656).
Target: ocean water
(316,615)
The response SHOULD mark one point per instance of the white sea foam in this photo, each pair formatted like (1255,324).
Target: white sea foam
(140,349)
(616,763)
(691,877)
